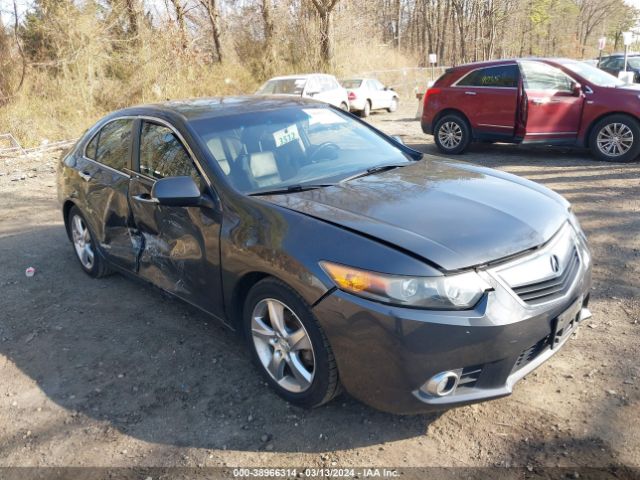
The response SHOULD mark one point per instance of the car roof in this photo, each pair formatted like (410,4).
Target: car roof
(506,61)
(630,54)
(216,107)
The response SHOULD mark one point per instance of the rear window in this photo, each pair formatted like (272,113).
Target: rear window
(505,76)
(351,83)
(284,86)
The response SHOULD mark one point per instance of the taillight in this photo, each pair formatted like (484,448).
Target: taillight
(352,96)
(431,91)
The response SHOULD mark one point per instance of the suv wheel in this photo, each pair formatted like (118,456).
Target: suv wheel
(452,134)
(288,345)
(616,138)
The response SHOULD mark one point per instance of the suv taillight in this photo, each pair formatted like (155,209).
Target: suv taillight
(431,91)
(352,96)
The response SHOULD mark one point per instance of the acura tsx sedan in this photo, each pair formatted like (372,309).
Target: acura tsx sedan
(344,257)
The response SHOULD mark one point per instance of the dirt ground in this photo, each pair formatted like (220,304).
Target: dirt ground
(111,372)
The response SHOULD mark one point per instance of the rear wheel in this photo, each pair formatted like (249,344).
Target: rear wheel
(452,134)
(616,138)
(366,111)
(394,105)
(84,245)
(288,345)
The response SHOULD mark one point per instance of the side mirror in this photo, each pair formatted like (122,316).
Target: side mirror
(398,139)
(576,88)
(179,192)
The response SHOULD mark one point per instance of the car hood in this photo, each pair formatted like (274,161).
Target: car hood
(451,214)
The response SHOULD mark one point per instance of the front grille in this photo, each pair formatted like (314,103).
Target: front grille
(540,292)
(530,354)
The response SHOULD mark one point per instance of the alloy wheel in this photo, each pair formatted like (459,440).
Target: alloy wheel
(450,135)
(615,139)
(82,242)
(283,345)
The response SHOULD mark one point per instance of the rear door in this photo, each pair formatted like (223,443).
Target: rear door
(104,169)
(180,245)
(489,98)
(551,110)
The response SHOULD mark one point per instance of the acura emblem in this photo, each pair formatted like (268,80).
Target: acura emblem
(555,263)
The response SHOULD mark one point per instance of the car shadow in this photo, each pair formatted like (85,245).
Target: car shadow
(121,352)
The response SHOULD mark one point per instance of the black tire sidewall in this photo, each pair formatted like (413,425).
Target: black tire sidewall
(95,269)
(322,384)
(466,134)
(632,154)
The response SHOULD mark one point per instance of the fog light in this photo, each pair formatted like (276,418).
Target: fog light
(442,384)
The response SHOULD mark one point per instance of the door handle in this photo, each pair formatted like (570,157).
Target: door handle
(539,101)
(86,176)
(470,93)
(145,198)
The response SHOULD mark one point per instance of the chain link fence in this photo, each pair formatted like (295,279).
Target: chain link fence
(407,81)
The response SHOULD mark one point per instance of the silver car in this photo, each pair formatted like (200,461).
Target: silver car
(319,86)
(367,94)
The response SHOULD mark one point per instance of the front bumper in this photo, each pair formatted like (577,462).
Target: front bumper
(385,354)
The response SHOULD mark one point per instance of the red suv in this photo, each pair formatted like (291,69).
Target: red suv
(547,101)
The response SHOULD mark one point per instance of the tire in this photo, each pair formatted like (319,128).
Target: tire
(452,134)
(269,346)
(85,246)
(364,113)
(344,106)
(394,105)
(621,127)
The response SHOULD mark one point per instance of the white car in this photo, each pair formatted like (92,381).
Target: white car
(318,86)
(367,94)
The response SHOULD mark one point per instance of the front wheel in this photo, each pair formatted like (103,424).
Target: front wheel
(616,138)
(288,345)
(344,106)
(452,134)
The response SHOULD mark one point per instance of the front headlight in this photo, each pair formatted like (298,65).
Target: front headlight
(573,220)
(452,292)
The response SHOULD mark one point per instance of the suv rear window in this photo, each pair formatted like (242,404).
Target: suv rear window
(502,76)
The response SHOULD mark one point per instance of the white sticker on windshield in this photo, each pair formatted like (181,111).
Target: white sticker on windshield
(286,135)
(323,116)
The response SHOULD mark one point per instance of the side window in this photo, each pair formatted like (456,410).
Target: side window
(313,85)
(326,84)
(162,155)
(502,76)
(114,141)
(92,147)
(376,85)
(540,76)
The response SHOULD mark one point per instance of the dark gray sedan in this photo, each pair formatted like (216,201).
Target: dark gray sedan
(344,257)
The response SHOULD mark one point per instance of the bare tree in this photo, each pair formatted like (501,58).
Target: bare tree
(324,9)
(213,14)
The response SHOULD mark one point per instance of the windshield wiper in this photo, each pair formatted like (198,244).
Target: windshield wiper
(292,189)
(369,171)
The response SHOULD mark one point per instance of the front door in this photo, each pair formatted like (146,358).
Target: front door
(180,245)
(552,111)
(104,168)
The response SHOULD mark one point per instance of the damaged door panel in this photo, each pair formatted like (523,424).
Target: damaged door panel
(106,190)
(180,249)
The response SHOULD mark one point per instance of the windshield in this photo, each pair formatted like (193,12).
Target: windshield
(633,62)
(276,149)
(593,74)
(351,83)
(283,86)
